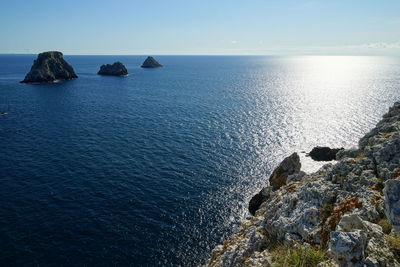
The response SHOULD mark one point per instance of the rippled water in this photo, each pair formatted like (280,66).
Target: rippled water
(157,168)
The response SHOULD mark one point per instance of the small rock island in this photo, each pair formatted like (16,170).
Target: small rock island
(323,153)
(150,62)
(116,69)
(50,67)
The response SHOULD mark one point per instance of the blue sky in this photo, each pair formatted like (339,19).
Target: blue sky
(201,26)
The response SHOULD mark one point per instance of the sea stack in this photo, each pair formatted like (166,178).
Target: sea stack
(50,67)
(150,62)
(116,69)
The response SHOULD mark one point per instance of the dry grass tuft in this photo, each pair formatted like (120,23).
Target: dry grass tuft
(386,227)
(394,244)
(378,186)
(292,187)
(298,256)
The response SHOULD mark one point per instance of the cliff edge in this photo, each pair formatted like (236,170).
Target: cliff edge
(346,214)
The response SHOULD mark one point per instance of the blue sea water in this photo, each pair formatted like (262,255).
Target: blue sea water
(157,168)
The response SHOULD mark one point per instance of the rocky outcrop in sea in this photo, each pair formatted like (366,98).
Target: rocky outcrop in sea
(345,214)
(115,69)
(323,153)
(50,67)
(150,62)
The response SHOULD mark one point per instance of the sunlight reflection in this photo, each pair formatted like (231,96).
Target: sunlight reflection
(314,95)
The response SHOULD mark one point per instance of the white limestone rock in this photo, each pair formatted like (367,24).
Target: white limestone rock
(392,203)
(347,248)
(375,250)
(337,206)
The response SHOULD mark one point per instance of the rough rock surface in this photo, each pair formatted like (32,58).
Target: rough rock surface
(347,247)
(150,62)
(258,199)
(288,170)
(392,203)
(336,209)
(116,69)
(288,166)
(323,153)
(50,67)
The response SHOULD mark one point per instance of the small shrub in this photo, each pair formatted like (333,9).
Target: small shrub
(376,200)
(379,185)
(338,179)
(396,174)
(327,209)
(273,243)
(386,227)
(360,156)
(394,244)
(345,207)
(337,213)
(387,135)
(298,257)
(292,187)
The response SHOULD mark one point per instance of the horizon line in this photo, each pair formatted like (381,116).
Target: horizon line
(300,54)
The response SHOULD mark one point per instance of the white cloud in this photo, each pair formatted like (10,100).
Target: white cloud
(234,42)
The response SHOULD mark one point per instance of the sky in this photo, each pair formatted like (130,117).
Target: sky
(201,27)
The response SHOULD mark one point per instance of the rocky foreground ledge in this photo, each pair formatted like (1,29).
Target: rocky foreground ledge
(346,214)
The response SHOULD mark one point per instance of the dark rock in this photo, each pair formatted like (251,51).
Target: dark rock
(290,165)
(50,67)
(258,199)
(324,153)
(150,62)
(116,69)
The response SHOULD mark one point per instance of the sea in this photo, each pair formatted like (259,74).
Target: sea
(157,168)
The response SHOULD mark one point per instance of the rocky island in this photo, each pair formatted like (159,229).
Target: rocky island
(50,67)
(323,153)
(345,214)
(116,69)
(150,62)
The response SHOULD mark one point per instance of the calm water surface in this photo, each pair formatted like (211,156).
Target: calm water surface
(156,168)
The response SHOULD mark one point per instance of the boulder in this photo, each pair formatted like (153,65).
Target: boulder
(50,67)
(116,69)
(347,248)
(323,153)
(150,62)
(290,165)
(259,198)
(357,242)
(392,203)
(297,208)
